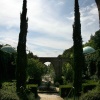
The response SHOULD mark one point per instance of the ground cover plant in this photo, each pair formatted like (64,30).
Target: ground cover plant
(8,92)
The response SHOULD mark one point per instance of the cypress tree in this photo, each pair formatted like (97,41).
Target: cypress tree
(21,49)
(77,51)
(98,6)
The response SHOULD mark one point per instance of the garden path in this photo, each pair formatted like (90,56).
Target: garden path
(48,96)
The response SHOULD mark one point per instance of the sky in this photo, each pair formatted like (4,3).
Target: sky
(49,25)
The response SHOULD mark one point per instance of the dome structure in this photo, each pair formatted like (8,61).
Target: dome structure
(8,49)
(88,50)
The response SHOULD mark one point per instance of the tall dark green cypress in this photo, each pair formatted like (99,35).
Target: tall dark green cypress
(21,49)
(98,6)
(78,51)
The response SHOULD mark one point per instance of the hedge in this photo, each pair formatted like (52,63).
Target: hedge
(33,89)
(66,90)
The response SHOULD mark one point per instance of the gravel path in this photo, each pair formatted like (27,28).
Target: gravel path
(44,96)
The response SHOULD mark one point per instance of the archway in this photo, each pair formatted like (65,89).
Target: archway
(49,74)
(57,63)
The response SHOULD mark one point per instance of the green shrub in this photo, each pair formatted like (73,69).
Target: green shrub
(8,91)
(92,95)
(8,95)
(56,84)
(26,94)
(58,80)
(34,81)
(88,86)
(66,90)
(33,89)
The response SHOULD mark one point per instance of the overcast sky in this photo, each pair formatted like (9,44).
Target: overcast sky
(49,26)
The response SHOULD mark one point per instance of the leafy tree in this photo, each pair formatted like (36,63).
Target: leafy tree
(67,71)
(77,52)
(21,49)
(97,39)
(67,53)
(90,42)
(35,69)
(94,40)
(31,55)
(50,71)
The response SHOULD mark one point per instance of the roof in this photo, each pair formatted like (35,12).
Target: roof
(88,50)
(8,49)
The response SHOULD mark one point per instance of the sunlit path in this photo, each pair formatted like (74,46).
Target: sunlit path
(45,96)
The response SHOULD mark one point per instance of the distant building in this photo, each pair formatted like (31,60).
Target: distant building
(8,49)
(91,59)
(90,53)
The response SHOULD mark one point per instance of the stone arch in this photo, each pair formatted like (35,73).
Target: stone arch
(57,63)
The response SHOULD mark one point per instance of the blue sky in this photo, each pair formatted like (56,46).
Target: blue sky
(49,26)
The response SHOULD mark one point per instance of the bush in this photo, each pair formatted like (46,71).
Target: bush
(58,80)
(8,91)
(33,89)
(92,95)
(66,90)
(35,70)
(56,84)
(34,81)
(67,72)
(89,85)
(8,95)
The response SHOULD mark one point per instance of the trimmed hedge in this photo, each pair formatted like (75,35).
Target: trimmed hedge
(92,95)
(33,89)
(35,81)
(66,90)
(88,86)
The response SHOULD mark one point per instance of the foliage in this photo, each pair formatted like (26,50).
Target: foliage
(77,51)
(35,68)
(97,39)
(90,42)
(7,66)
(67,71)
(8,92)
(67,53)
(98,5)
(33,89)
(21,49)
(92,95)
(87,87)
(66,90)
(50,71)
(31,55)
(94,40)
